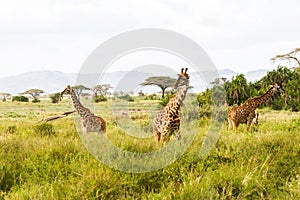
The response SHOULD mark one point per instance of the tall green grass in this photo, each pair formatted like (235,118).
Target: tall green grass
(263,164)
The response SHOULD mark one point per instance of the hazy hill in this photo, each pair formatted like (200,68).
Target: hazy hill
(55,81)
(256,75)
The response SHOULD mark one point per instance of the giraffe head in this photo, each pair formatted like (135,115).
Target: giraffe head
(67,90)
(276,89)
(183,79)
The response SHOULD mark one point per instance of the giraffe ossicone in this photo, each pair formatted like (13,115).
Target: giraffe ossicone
(90,122)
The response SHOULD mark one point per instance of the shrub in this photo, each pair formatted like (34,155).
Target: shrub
(166,99)
(55,97)
(98,99)
(277,104)
(294,105)
(20,99)
(205,111)
(127,97)
(151,97)
(35,100)
(44,129)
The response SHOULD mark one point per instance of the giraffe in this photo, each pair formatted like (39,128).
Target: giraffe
(90,122)
(167,120)
(245,113)
(254,121)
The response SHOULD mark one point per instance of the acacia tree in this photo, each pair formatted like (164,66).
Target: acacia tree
(291,56)
(101,89)
(78,89)
(4,96)
(163,82)
(35,93)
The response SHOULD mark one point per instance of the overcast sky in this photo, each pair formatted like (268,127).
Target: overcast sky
(59,35)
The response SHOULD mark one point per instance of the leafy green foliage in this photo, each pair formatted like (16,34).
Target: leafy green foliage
(55,97)
(204,98)
(151,97)
(237,90)
(20,98)
(165,100)
(100,98)
(126,97)
(36,101)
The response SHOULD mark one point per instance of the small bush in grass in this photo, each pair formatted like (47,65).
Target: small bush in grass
(98,99)
(36,100)
(277,104)
(20,99)
(55,97)
(166,98)
(127,97)
(44,129)
(151,97)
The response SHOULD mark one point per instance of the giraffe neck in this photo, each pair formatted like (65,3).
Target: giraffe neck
(181,93)
(78,106)
(263,98)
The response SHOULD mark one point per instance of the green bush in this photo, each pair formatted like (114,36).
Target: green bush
(36,100)
(151,97)
(277,104)
(98,99)
(44,129)
(294,105)
(127,97)
(55,97)
(205,111)
(166,99)
(20,99)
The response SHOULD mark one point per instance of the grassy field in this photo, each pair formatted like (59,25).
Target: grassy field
(39,161)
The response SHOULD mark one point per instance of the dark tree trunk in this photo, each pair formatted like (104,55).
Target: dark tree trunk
(163,92)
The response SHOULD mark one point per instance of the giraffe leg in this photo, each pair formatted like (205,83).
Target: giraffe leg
(178,136)
(249,120)
(230,123)
(255,121)
(157,137)
(165,139)
(156,134)
(235,125)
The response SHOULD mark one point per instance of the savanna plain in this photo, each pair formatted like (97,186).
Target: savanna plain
(40,160)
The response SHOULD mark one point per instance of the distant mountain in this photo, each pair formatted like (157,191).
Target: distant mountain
(49,81)
(227,73)
(55,81)
(256,75)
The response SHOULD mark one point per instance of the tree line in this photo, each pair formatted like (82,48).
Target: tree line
(223,91)
(100,93)
(238,89)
